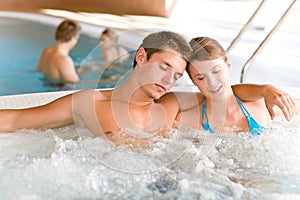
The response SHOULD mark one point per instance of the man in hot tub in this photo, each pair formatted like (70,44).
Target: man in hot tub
(133,106)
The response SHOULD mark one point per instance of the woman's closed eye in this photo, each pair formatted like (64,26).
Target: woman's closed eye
(216,69)
(199,77)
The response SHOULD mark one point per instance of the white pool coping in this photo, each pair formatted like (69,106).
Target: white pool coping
(29,100)
(36,99)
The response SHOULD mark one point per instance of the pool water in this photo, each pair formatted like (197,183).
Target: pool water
(21,45)
(67,163)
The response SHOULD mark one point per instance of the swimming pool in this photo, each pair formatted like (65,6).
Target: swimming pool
(21,44)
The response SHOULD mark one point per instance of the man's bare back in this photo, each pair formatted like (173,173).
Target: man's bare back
(57,66)
(55,62)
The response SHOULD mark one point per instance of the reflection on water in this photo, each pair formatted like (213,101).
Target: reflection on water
(58,164)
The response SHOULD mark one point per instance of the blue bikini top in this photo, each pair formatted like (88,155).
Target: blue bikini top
(254,127)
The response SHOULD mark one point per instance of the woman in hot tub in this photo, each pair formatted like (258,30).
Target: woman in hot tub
(221,110)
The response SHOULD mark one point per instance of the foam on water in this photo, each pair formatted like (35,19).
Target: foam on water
(58,164)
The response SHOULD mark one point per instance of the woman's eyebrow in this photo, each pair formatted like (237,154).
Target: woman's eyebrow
(217,65)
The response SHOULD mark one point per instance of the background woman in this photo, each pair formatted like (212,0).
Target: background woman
(111,51)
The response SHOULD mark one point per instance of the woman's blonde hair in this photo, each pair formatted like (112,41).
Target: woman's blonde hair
(206,48)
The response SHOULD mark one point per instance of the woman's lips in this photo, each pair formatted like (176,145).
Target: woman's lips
(215,90)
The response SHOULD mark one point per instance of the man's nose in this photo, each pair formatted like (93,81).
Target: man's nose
(168,77)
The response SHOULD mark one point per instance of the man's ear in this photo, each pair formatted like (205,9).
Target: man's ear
(140,56)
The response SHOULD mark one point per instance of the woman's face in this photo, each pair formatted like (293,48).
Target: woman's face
(106,42)
(212,77)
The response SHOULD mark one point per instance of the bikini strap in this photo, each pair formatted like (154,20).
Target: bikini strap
(244,110)
(254,127)
(205,124)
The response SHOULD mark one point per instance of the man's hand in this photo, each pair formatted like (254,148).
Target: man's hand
(276,97)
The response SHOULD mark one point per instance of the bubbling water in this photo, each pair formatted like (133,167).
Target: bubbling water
(58,164)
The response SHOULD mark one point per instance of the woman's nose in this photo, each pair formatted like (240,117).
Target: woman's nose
(210,79)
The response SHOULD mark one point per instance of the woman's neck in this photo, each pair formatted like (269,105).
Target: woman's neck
(223,113)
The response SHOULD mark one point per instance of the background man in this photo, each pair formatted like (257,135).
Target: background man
(55,62)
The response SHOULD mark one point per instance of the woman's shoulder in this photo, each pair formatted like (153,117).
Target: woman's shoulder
(258,110)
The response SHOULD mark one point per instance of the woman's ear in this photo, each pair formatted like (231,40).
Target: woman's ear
(140,56)
(228,64)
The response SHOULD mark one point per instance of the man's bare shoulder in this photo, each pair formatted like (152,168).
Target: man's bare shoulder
(170,96)
(48,51)
(188,100)
(97,95)
(52,55)
(104,95)
(62,60)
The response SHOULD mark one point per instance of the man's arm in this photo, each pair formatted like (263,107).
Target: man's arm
(39,64)
(273,97)
(52,115)
(68,71)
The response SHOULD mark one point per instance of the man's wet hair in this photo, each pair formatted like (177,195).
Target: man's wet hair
(66,30)
(164,40)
